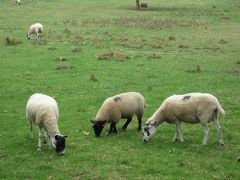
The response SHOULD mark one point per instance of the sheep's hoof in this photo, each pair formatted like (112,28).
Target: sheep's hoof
(222,145)
(44,141)
(238,160)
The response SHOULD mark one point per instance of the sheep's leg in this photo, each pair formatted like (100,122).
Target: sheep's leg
(139,123)
(44,137)
(178,135)
(111,128)
(49,142)
(206,132)
(175,137)
(126,124)
(31,130)
(114,127)
(219,130)
(39,138)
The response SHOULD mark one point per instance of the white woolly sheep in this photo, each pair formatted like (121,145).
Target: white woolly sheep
(191,108)
(37,29)
(43,111)
(17,1)
(114,108)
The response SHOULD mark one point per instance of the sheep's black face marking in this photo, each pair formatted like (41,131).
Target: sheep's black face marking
(98,127)
(28,36)
(148,131)
(60,144)
(116,99)
(186,98)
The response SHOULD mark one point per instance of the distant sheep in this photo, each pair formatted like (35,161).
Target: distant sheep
(191,108)
(114,108)
(17,1)
(43,111)
(37,29)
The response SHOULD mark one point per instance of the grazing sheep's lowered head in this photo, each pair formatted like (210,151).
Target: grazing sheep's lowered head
(148,130)
(59,144)
(98,127)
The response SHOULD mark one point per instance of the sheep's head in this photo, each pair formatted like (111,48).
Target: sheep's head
(98,127)
(59,143)
(148,130)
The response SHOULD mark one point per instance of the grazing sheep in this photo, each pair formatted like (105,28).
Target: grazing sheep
(191,108)
(43,111)
(18,1)
(114,108)
(37,29)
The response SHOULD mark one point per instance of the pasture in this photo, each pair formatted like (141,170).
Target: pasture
(95,49)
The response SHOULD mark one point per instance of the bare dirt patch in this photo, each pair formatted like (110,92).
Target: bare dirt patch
(154,56)
(51,48)
(116,55)
(222,41)
(182,46)
(63,67)
(77,49)
(238,62)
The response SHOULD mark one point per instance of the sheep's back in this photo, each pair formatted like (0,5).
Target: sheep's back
(129,103)
(39,104)
(189,106)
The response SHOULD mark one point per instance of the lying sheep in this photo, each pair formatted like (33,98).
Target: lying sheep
(37,29)
(191,108)
(43,111)
(114,108)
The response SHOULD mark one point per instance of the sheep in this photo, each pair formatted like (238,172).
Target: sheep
(43,111)
(17,1)
(37,29)
(114,108)
(190,108)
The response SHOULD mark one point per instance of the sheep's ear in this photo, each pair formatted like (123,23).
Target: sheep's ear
(155,123)
(92,121)
(56,136)
(65,136)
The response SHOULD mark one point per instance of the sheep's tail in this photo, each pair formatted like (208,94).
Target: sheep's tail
(220,109)
(145,105)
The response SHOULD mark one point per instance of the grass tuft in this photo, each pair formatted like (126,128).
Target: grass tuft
(63,67)
(93,78)
(61,58)
(12,41)
(116,55)
(196,70)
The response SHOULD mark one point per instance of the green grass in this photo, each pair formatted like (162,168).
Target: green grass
(155,52)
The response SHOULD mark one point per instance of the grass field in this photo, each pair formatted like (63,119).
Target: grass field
(95,49)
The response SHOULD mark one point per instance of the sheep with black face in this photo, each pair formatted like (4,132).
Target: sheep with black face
(114,108)
(43,111)
(191,108)
(37,29)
